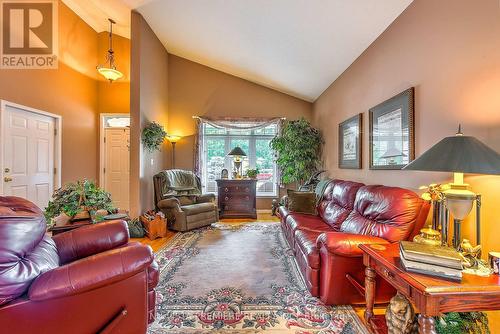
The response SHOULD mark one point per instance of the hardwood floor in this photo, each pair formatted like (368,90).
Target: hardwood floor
(494,317)
(159,243)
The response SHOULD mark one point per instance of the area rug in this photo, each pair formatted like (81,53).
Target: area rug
(240,279)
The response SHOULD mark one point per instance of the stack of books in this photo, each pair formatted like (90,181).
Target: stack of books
(442,262)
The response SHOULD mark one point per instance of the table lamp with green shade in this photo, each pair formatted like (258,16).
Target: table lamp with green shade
(237,153)
(459,154)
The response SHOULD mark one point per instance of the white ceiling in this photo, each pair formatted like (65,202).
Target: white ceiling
(298,47)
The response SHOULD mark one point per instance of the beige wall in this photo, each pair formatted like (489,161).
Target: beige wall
(75,91)
(148,102)
(449,50)
(197,90)
(114,97)
(69,91)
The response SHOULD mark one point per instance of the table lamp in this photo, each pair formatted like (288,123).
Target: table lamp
(237,153)
(459,154)
(173,140)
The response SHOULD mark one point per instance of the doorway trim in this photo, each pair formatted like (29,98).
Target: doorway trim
(57,141)
(102,160)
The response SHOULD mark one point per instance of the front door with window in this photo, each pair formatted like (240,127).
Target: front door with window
(28,155)
(117,165)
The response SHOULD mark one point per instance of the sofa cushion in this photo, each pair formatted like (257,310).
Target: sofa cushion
(338,202)
(386,212)
(302,201)
(197,208)
(305,243)
(300,221)
(25,250)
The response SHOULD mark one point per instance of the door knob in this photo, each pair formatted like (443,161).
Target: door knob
(7,179)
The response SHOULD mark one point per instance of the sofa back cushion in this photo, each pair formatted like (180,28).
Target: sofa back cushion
(338,202)
(387,212)
(25,250)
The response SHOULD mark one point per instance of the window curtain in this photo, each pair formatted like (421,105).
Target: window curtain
(227,123)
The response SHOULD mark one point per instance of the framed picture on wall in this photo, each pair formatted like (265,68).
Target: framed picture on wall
(350,142)
(392,132)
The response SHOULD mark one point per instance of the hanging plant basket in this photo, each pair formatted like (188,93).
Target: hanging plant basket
(153,136)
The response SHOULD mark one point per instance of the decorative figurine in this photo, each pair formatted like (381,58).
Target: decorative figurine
(400,316)
(428,236)
(472,259)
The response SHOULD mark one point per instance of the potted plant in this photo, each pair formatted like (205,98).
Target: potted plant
(82,199)
(252,173)
(153,136)
(298,150)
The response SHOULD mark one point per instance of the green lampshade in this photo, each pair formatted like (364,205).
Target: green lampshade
(459,154)
(237,151)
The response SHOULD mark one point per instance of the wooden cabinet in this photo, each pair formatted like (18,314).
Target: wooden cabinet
(237,198)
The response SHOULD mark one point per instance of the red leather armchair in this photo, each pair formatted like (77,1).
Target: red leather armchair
(88,280)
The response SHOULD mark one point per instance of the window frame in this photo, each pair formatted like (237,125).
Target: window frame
(251,155)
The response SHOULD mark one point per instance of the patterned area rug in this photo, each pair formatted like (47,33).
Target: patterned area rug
(240,279)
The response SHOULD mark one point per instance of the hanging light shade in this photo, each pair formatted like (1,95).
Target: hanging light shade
(109,70)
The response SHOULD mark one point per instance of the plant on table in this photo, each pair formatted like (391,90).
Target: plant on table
(252,173)
(298,150)
(153,135)
(77,197)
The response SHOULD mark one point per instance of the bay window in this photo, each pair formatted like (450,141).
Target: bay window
(218,141)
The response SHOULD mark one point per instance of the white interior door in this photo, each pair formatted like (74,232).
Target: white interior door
(117,165)
(28,155)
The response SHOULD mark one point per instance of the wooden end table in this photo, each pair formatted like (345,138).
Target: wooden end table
(429,296)
(75,224)
(69,226)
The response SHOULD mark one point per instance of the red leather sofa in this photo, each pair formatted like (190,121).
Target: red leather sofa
(350,213)
(89,280)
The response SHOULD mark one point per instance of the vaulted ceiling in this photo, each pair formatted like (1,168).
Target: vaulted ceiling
(298,47)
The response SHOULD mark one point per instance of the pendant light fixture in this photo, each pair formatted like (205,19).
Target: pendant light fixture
(108,70)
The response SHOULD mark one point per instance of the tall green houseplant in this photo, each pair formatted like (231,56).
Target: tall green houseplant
(298,150)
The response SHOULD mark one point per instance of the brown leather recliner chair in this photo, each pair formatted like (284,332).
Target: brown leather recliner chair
(178,195)
(89,280)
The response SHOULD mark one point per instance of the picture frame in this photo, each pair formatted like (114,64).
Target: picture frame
(392,132)
(224,174)
(350,142)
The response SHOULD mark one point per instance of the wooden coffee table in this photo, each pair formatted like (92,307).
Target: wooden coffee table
(430,296)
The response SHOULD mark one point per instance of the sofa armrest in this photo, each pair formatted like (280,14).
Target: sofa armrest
(169,204)
(92,272)
(206,198)
(89,240)
(346,244)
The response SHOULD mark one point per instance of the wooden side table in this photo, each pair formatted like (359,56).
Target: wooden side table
(430,296)
(69,226)
(75,224)
(237,198)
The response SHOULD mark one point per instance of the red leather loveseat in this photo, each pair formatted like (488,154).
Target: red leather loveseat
(350,213)
(89,280)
